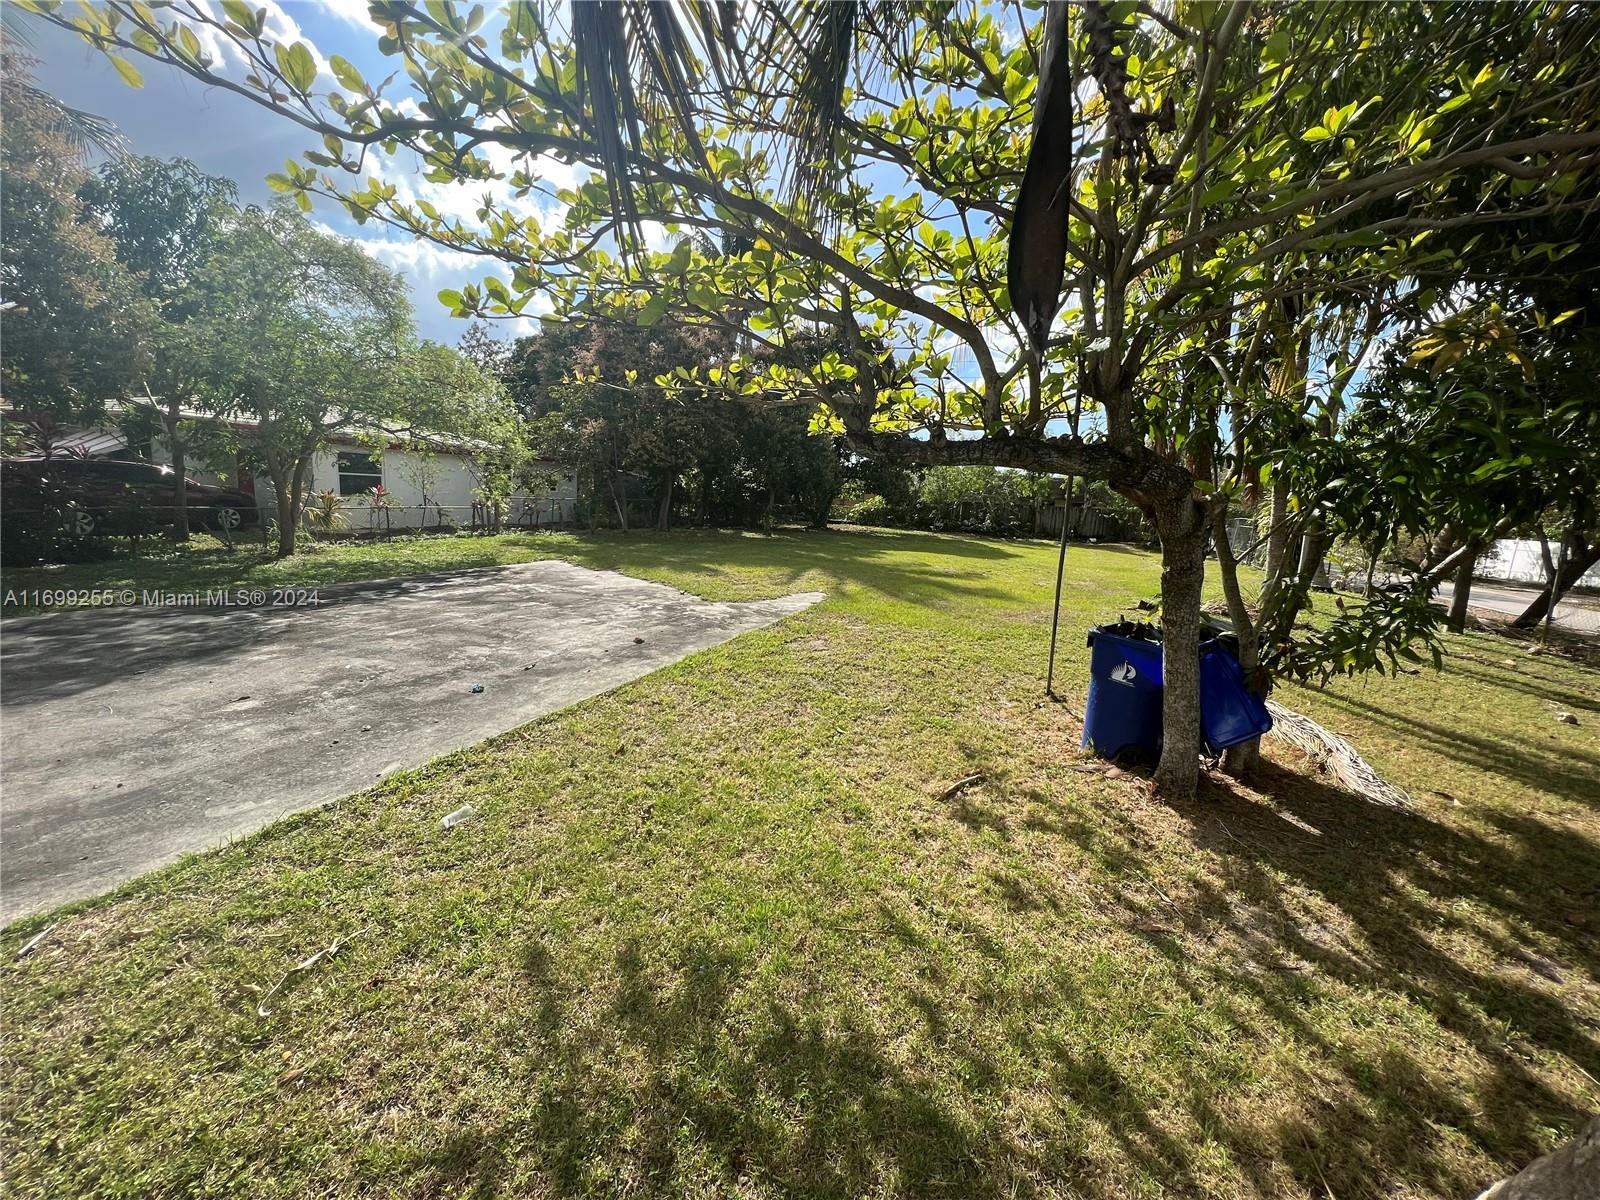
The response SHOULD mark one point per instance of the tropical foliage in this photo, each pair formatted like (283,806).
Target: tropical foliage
(594,401)
(72,311)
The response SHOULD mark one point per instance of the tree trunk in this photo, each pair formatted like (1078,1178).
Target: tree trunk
(1181,524)
(1313,550)
(180,471)
(664,513)
(1545,556)
(1241,759)
(1440,547)
(618,504)
(1292,378)
(1580,560)
(288,486)
(286,517)
(1277,535)
(1461,596)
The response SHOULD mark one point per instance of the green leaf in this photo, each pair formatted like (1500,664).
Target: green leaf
(189,44)
(451,299)
(129,72)
(653,311)
(298,67)
(1316,134)
(242,15)
(347,75)
(280,183)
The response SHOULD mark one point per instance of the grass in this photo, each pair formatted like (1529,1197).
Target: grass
(718,934)
(204,562)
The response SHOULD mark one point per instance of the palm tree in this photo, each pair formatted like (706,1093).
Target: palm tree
(82,131)
(639,56)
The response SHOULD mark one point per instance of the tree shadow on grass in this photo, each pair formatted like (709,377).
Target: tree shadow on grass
(1562,770)
(683,1070)
(1316,902)
(799,1102)
(890,563)
(1540,689)
(1400,880)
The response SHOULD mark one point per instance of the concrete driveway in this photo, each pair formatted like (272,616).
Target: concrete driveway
(132,737)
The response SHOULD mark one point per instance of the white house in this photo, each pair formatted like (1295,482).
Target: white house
(424,487)
(430,483)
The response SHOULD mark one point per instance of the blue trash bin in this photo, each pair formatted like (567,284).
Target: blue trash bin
(1230,712)
(1123,711)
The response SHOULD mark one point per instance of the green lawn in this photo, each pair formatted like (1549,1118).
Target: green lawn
(717,933)
(204,563)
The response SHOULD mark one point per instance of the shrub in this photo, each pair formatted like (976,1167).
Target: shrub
(29,537)
(326,511)
(874,510)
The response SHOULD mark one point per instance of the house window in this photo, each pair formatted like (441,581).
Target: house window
(358,473)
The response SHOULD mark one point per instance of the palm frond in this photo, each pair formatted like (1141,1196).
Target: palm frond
(826,45)
(601,43)
(83,131)
(638,60)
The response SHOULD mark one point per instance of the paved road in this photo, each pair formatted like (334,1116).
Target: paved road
(136,736)
(1504,600)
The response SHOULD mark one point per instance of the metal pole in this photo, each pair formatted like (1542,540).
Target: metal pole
(1055,615)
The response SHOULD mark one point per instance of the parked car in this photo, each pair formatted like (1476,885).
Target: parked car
(101,495)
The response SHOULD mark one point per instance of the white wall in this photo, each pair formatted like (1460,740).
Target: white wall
(1520,560)
(446,481)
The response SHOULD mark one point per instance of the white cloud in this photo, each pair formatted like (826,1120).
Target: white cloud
(429,268)
(657,237)
(461,200)
(353,13)
(277,27)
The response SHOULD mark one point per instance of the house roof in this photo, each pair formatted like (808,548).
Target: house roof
(351,434)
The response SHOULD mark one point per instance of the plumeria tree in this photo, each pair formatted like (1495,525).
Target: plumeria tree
(1097,239)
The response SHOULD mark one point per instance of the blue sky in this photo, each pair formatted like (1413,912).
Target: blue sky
(227,135)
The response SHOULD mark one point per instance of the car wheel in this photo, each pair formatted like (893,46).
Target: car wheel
(78,522)
(225,516)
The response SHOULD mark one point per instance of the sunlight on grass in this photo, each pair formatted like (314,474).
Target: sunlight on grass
(716,934)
